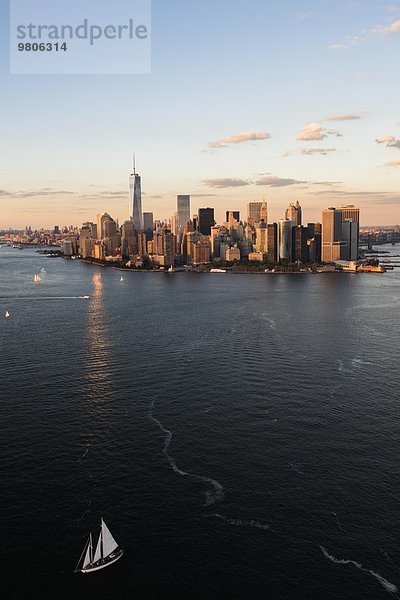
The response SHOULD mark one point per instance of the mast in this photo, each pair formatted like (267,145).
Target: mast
(88,556)
(98,554)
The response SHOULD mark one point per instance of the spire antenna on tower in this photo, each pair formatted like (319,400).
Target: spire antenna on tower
(134,164)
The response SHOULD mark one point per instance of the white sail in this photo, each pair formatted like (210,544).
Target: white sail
(107,552)
(109,544)
(7,314)
(88,557)
(97,554)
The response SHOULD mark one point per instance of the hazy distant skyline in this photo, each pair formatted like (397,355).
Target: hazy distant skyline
(246,101)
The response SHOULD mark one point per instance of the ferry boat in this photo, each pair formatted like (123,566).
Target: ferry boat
(371,269)
(218,271)
(183,269)
(350,266)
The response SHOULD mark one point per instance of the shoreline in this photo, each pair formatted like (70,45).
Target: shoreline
(166,272)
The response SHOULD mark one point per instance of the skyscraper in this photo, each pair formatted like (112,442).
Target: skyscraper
(169,247)
(135,199)
(285,239)
(106,226)
(254,212)
(294,213)
(148,221)
(350,234)
(299,241)
(85,236)
(215,241)
(190,239)
(232,215)
(206,220)
(351,213)
(202,251)
(129,239)
(183,203)
(333,248)
(272,245)
(264,212)
(262,237)
(142,243)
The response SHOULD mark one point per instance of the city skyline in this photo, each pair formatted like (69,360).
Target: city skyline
(321,125)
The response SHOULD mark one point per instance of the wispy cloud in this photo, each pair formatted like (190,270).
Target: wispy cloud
(338,47)
(312,151)
(121,193)
(224,183)
(314,132)
(394,144)
(350,41)
(389,140)
(344,117)
(327,183)
(204,195)
(273,181)
(35,193)
(393,163)
(355,40)
(388,29)
(240,138)
(360,194)
(104,195)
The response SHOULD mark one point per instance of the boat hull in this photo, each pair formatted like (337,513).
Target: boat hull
(103,563)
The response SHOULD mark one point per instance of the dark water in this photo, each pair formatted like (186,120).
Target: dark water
(238,433)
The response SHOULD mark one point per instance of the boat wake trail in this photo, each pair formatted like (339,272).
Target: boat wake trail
(216,491)
(25,298)
(87,511)
(338,523)
(241,523)
(84,454)
(389,587)
(270,321)
(358,362)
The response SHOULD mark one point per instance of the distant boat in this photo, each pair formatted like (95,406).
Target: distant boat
(121,279)
(107,552)
(37,279)
(371,269)
(218,271)
(7,315)
(173,269)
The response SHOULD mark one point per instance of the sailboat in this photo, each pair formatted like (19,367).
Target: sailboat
(37,279)
(121,279)
(107,552)
(7,315)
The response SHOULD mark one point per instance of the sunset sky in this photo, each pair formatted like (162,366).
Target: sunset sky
(246,101)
